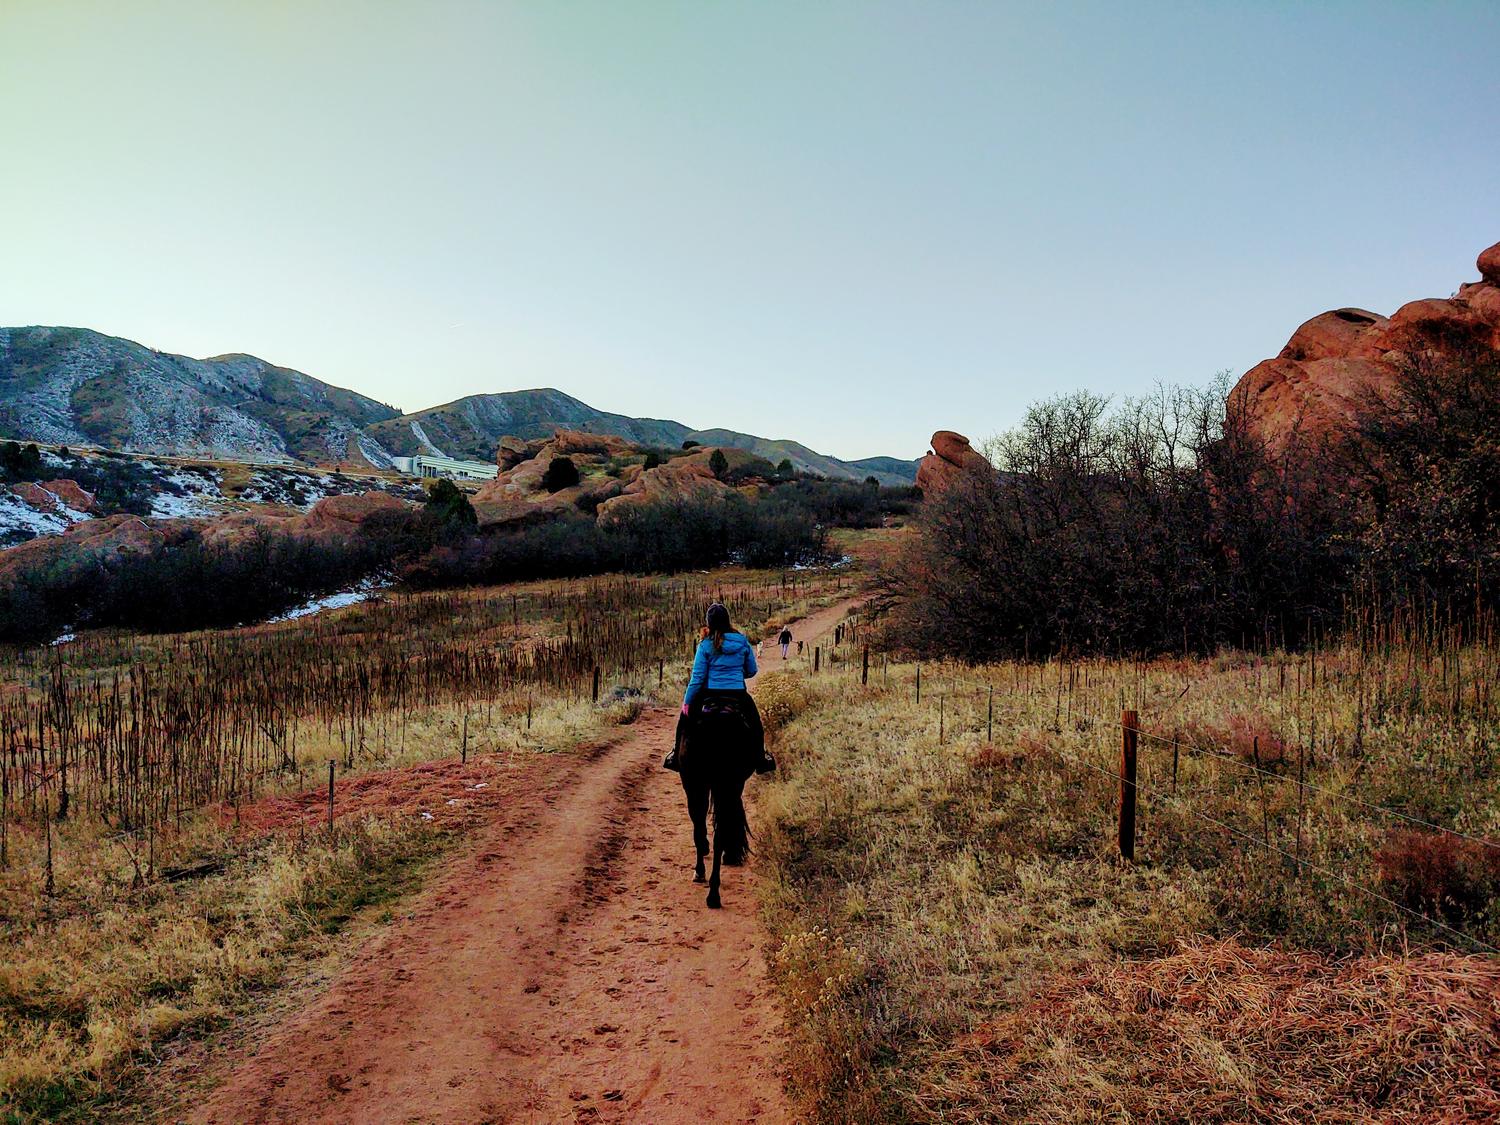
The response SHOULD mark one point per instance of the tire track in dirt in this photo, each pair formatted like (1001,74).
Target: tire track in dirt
(562,969)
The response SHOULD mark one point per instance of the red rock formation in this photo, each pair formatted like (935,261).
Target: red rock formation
(679,479)
(951,455)
(71,494)
(91,539)
(1337,359)
(343,515)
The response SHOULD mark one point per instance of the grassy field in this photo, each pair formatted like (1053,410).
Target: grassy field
(193,872)
(959,940)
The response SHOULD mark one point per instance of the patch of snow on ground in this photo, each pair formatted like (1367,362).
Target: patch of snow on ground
(338,600)
(166,506)
(19,521)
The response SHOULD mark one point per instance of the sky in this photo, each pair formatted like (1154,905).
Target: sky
(845,223)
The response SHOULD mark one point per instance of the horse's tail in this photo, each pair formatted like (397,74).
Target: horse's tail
(731,826)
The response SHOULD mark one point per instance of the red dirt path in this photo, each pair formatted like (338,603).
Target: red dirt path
(563,969)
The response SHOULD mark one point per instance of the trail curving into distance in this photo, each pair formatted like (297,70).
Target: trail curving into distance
(563,968)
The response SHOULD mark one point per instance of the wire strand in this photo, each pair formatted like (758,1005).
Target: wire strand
(1330,872)
(1225,755)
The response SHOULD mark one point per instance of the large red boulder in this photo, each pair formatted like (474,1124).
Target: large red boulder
(71,493)
(1338,360)
(949,458)
(1489,264)
(344,515)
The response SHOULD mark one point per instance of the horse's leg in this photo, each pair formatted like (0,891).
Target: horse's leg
(696,789)
(729,804)
(713,879)
(719,827)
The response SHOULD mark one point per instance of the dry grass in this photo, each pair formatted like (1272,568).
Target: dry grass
(114,971)
(1222,1033)
(974,884)
(118,960)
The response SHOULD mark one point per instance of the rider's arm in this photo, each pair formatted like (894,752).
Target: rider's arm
(699,676)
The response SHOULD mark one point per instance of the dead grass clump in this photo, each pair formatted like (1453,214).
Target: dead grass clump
(1219,1032)
(820,979)
(989,758)
(780,697)
(1248,736)
(1439,873)
(623,712)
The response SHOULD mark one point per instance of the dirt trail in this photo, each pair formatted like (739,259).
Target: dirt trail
(563,969)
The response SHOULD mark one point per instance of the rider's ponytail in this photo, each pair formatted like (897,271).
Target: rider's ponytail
(718,625)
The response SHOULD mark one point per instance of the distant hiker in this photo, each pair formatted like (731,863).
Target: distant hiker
(785,640)
(720,743)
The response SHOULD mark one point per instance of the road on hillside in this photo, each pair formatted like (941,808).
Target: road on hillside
(564,968)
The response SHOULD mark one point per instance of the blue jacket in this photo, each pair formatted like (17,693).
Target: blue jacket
(721,671)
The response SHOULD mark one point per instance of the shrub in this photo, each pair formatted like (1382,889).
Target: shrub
(1427,461)
(1440,874)
(1163,526)
(183,584)
(666,537)
(448,506)
(718,464)
(1246,736)
(780,697)
(18,462)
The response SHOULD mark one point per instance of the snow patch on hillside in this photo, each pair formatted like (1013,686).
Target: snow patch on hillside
(19,521)
(421,435)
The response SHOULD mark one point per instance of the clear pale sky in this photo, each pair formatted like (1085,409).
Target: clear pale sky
(847,223)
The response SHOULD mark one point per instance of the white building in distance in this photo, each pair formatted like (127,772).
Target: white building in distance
(424,466)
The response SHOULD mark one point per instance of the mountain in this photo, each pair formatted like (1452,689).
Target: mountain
(73,386)
(471,427)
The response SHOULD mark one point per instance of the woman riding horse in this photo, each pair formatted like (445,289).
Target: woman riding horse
(720,743)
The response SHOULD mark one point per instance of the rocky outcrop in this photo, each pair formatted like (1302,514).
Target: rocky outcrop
(344,515)
(612,475)
(92,540)
(332,518)
(679,479)
(1336,361)
(949,458)
(71,494)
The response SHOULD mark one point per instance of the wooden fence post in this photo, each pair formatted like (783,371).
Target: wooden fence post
(817,657)
(331,765)
(864,668)
(990,721)
(919,685)
(1128,723)
(596,683)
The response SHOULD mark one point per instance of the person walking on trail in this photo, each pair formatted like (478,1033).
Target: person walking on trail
(785,640)
(722,663)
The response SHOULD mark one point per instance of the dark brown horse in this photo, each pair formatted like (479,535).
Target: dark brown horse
(716,756)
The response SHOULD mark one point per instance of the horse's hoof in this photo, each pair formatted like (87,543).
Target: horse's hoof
(713,900)
(699,877)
